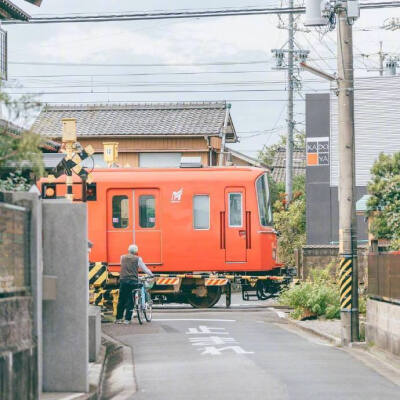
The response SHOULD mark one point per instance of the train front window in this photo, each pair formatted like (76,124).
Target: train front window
(264,206)
(147,211)
(120,211)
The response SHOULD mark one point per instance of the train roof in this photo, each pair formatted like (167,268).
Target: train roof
(166,174)
(173,174)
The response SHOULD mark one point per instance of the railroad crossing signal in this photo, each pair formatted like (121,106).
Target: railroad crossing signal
(110,152)
(75,154)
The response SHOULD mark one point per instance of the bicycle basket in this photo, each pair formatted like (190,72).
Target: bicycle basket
(148,284)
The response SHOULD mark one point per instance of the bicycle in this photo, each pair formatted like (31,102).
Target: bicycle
(143,305)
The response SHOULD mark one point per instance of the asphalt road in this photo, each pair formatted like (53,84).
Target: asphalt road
(245,354)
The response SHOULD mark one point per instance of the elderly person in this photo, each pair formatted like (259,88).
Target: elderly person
(129,280)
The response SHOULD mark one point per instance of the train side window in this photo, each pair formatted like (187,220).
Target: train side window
(235,210)
(201,211)
(120,211)
(147,211)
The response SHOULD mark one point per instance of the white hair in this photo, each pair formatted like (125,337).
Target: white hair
(133,249)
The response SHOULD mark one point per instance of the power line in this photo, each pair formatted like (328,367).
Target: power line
(141,74)
(86,84)
(152,15)
(65,64)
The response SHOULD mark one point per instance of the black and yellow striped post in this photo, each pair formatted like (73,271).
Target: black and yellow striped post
(346,282)
(348,286)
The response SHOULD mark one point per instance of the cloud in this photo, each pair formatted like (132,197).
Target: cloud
(175,42)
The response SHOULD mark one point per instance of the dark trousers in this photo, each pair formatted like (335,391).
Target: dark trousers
(125,299)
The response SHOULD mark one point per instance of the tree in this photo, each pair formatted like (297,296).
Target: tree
(290,222)
(267,154)
(19,151)
(384,203)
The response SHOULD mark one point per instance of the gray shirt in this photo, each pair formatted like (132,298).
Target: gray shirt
(129,267)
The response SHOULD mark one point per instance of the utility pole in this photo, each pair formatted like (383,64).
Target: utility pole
(347,197)
(293,55)
(319,14)
(290,121)
(382,56)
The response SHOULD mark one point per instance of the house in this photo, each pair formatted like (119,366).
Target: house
(8,10)
(148,135)
(237,158)
(278,167)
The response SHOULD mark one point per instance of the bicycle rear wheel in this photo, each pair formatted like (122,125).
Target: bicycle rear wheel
(148,311)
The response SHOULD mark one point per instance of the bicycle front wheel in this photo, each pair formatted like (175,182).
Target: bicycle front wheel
(148,311)
(139,307)
(140,314)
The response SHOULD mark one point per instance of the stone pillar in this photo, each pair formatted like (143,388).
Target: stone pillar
(65,319)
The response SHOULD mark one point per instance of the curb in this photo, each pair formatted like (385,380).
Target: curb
(332,339)
(118,381)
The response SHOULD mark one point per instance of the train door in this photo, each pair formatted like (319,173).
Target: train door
(133,217)
(235,225)
(148,225)
(120,223)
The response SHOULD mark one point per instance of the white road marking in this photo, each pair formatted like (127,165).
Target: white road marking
(194,319)
(213,351)
(280,314)
(207,330)
(211,340)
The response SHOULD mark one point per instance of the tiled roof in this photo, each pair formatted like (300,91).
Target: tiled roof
(186,118)
(278,165)
(8,10)
(244,157)
(8,128)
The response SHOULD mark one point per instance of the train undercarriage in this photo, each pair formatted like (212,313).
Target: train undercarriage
(200,290)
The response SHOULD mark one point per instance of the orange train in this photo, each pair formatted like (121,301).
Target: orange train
(185,221)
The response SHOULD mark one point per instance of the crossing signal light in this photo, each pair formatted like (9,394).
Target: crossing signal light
(91,194)
(49,191)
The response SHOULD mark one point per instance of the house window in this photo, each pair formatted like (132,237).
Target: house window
(120,211)
(95,161)
(147,211)
(201,211)
(235,210)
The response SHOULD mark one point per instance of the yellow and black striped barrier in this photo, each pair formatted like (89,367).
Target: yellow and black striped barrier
(104,298)
(97,274)
(345,282)
(222,276)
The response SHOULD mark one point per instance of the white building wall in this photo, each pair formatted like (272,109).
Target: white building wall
(377,125)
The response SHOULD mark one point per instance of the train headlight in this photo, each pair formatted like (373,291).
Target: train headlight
(274,254)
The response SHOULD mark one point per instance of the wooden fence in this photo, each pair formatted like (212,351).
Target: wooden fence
(384,276)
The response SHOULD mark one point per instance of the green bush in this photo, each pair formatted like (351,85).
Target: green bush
(317,296)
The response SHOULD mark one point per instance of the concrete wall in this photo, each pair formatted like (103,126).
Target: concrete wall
(18,350)
(383,325)
(323,255)
(65,320)
(31,202)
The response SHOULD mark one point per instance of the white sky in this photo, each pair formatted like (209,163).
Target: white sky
(232,39)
